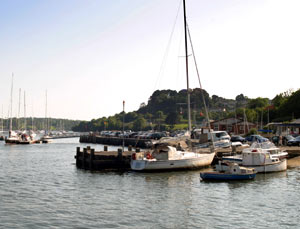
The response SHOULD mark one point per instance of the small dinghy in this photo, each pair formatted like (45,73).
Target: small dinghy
(235,172)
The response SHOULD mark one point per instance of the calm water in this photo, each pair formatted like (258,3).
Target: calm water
(40,187)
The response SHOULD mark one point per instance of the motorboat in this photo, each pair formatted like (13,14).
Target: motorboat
(268,147)
(234,172)
(13,138)
(262,157)
(46,139)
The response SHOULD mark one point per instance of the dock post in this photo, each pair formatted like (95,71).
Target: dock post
(77,156)
(119,153)
(119,158)
(105,148)
(92,153)
(84,157)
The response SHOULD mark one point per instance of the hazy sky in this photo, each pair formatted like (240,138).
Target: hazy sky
(90,55)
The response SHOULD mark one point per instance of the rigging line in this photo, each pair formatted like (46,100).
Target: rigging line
(167,49)
(204,103)
(179,76)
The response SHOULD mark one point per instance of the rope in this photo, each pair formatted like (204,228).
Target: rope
(167,49)
(205,107)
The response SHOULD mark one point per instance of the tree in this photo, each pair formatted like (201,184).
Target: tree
(291,107)
(258,103)
(139,124)
(130,117)
(173,118)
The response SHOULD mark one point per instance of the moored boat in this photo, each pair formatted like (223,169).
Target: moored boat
(260,158)
(169,158)
(166,157)
(235,172)
(46,139)
(13,138)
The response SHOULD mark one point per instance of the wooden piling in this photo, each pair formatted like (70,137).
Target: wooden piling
(105,148)
(84,156)
(77,156)
(92,154)
(119,154)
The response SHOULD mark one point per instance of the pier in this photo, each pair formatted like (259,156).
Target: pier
(89,159)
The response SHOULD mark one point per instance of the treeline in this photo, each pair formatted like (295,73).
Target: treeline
(40,124)
(167,110)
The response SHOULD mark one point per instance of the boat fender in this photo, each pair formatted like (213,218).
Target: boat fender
(133,156)
(148,155)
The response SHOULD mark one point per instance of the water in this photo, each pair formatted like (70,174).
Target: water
(40,187)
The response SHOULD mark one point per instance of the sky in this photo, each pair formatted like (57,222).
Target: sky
(91,55)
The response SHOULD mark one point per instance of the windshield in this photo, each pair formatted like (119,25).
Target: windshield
(221,134)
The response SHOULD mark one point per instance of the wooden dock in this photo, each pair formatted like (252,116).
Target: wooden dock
(89,159)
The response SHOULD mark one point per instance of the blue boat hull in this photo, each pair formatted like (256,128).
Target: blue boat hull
(226,176)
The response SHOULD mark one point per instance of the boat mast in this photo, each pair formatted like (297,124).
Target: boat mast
(25,123)
(2,120)
(187,71)
(19,109)
(11,101)
(46,119)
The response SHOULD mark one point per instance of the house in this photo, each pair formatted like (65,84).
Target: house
(286,128)
(233,125)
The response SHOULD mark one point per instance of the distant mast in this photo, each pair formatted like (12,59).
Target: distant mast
(187,71)
(11,101)
(46,119)
(19,109)
(2,120)
(25,121)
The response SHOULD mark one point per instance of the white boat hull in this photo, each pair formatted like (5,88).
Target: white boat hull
(202,160)
(265,168)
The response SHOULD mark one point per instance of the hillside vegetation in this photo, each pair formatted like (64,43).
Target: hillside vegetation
(167,110)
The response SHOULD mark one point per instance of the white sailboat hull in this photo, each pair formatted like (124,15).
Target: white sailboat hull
(201,160)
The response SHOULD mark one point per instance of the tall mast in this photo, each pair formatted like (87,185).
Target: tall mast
(25,123)
(187,70)
(19,109)
(2,120)
(46,119)
(11,101)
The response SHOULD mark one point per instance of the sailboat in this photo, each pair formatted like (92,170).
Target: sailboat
(166,157)
(2,120)
(13,137)
(25,136)
(46,138)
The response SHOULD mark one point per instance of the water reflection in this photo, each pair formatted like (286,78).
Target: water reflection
(42,188)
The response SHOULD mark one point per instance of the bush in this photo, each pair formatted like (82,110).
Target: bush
(252,131)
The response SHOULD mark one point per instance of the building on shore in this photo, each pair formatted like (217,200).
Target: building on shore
(233,126)
(280,128)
